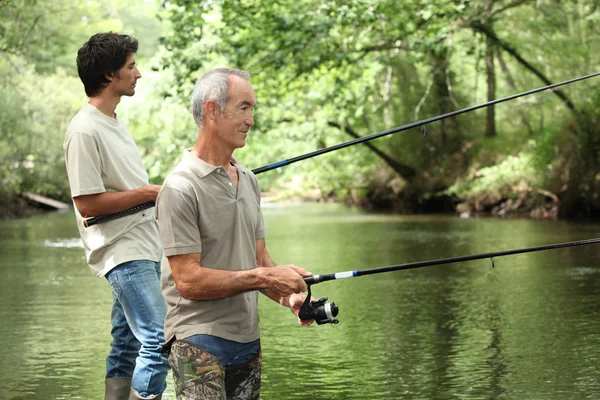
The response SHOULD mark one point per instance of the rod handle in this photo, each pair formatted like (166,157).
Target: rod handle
(309,280)
(109,217)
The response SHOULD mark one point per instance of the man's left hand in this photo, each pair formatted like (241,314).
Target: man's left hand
(295,302)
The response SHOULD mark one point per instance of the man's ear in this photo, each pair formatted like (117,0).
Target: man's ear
(112,77)
(211,110)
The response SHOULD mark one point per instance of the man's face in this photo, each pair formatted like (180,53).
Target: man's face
(233,124)
(124,81)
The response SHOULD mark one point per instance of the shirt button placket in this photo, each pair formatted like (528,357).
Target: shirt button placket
(224,173)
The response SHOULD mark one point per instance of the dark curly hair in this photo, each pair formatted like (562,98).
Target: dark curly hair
(103,54)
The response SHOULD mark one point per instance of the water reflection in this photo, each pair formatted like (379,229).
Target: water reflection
(526,329)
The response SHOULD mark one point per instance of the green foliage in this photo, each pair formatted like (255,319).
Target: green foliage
(47,34)
(364,66)
(39,83)
(510,171)
(161,126)
(33,125)
(352,63)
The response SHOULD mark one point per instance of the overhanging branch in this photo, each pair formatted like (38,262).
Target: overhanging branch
(488,32)
(404,171)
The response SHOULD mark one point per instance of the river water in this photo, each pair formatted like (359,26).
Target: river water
(526,329)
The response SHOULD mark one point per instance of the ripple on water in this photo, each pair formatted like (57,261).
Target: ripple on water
(66,243)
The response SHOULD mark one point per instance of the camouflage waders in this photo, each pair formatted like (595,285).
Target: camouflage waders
(199,375)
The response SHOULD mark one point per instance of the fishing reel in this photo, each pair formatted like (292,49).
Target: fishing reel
(319,310)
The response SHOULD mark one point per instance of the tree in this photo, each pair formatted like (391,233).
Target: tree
(39,83)
(361,67)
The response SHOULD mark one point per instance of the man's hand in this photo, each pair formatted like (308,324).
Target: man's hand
(285,280)
(295,301)
(151,191)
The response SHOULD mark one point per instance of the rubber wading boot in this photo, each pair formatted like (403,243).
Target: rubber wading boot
(117,388)
(134,395)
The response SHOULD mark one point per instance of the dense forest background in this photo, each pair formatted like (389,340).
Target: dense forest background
(327,72)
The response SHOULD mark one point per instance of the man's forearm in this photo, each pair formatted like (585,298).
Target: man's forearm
(195,282)
(214,284)
(112,202)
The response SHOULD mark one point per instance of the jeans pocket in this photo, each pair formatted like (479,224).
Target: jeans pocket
(113,280)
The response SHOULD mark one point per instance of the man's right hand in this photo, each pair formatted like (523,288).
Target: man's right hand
(151,191)
(284,280)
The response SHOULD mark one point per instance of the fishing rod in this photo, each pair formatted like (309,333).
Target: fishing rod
(325,313)
(87,222)
(109,217)
(420,123)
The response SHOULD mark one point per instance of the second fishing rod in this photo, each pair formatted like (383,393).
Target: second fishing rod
(325,313)
(109,217)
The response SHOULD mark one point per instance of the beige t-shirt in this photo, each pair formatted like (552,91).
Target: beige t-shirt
(199,210)
(101,156)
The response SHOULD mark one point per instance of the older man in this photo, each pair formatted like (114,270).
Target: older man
(213,236)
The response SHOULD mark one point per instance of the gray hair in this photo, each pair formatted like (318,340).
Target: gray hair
(213,86)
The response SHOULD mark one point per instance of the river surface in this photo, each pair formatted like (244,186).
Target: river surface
(529,328)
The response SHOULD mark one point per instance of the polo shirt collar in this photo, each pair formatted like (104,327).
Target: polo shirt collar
(200,167)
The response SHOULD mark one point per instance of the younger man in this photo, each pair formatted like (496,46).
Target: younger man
(106,176)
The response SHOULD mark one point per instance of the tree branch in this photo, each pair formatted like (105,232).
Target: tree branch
(404,171)
(514,4)
(395,44)
(488,32)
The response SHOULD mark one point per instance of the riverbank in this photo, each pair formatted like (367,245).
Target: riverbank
(510,201)
(520,202)
(17,207)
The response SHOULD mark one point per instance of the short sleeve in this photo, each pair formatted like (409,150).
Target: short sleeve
(84,165)
(260,225)
(177,216)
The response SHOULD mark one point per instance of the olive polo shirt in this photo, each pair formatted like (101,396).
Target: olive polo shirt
(199,210)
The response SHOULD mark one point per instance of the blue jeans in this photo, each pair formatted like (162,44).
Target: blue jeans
(228,352)
(137,318)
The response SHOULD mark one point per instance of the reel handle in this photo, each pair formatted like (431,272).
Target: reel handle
(319,310)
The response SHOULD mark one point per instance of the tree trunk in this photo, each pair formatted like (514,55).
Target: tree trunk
(439,65)
(490,49)
(513,87)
